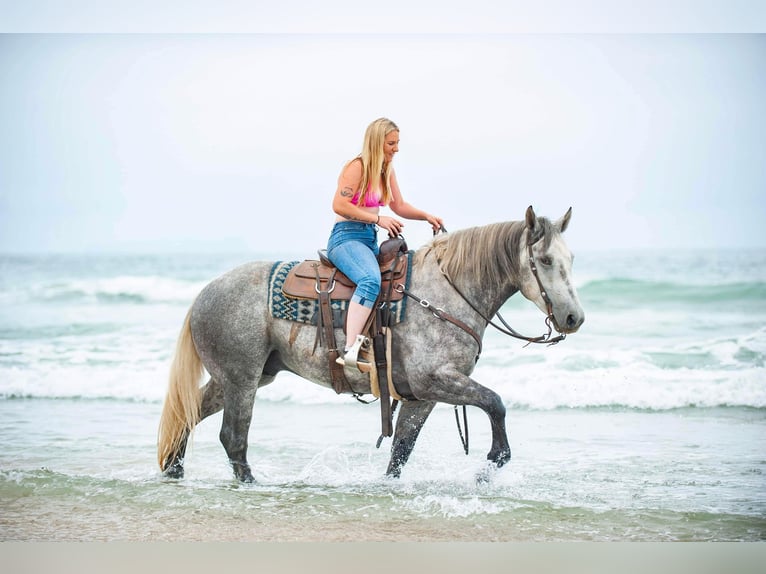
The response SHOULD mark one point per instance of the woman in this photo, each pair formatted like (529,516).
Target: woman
(367,183)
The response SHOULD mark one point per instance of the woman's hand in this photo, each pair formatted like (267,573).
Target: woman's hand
(436,222)
(390,224)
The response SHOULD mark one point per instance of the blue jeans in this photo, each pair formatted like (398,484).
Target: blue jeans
(353,248)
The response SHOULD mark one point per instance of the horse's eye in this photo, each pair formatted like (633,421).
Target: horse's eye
(545,260)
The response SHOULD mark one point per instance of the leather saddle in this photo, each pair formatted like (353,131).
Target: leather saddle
(308,278)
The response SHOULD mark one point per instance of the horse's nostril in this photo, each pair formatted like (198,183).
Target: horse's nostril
(572,322)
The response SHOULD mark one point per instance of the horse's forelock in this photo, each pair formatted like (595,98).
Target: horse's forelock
(545,230)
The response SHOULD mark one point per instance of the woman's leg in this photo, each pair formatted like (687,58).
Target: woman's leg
(356,317)
(357,261)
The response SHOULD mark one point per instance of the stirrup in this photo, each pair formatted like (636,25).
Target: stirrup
(351,357)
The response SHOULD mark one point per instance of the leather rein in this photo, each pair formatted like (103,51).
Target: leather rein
(506,329)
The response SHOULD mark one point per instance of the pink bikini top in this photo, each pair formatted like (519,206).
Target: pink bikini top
(370,200)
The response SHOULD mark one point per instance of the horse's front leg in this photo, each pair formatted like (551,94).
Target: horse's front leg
(412,416)
(458,389)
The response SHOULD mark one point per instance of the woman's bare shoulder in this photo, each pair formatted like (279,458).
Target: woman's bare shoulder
(353,167)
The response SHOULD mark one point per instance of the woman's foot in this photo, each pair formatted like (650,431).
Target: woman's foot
(351,358)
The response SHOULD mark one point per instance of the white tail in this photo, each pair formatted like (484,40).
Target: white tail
(181,411)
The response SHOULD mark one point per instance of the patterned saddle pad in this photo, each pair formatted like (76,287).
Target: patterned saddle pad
(306,310)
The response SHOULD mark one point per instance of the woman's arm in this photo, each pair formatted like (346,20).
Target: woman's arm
(348,181)
(408,211)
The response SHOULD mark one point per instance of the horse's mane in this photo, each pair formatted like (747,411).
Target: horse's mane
(488,253)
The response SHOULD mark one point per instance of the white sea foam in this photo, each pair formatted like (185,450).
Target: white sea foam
(69,335)
(450,506)
(631,385)
(127,288)
(644,388)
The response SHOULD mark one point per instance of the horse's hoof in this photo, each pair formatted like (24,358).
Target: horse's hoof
(242,472)
(394,473)
(500,459)
(174,471)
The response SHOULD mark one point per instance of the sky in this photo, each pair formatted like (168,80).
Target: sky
(146,139)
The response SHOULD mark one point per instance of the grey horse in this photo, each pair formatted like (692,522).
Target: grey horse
(230,332)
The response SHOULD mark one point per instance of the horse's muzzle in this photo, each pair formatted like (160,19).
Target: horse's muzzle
(571,323)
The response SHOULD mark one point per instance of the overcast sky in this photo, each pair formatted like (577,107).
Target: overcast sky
(187,142)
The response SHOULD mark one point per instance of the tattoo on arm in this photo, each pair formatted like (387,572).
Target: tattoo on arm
(348,192)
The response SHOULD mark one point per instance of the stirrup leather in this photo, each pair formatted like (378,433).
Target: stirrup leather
(351,357)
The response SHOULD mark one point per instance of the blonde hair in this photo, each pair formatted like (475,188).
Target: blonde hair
(181,411)
(372,159)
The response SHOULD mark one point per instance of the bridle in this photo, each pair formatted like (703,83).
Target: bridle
(546,299)
(506,329)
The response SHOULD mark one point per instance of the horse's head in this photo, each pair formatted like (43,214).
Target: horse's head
(546,271)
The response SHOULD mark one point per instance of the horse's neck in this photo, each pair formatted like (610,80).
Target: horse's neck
(485,297)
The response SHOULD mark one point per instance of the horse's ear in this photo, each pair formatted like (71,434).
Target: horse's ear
(531,219)
(563,223)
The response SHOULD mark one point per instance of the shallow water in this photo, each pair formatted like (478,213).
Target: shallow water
(607,474)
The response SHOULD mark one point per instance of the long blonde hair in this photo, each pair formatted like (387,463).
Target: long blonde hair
(372,160)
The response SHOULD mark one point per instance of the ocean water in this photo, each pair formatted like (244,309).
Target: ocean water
(649,424)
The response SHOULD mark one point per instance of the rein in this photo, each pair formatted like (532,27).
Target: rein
(506,329)
(440,313)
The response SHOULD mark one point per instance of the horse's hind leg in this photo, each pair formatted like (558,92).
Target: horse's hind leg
(412,417)
(237,415)
(212,402)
